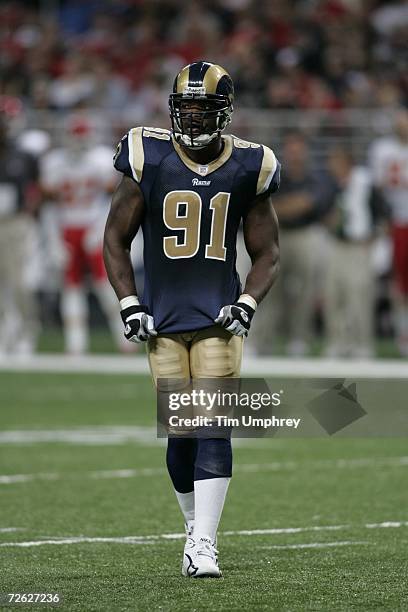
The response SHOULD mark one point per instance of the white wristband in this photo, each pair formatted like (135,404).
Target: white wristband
(248,300)
(131,300)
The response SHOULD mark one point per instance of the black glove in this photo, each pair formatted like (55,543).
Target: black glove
(236,318)
(139,324)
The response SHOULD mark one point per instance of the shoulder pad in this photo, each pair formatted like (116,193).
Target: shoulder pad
(130,156)
(244,144)
(154,132)
(269,173)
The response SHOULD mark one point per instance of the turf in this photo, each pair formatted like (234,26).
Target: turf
(51,341)
(278,483)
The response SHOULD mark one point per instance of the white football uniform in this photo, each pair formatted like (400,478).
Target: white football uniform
(81,180)
(389,163)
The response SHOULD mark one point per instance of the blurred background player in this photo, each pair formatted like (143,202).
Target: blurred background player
(389,161)
(19,199)
(348,287)
(79,178)
(301,203)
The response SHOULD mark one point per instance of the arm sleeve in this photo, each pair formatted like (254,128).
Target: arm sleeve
(129,156)
(275,181)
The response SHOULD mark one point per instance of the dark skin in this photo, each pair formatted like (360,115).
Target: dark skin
(122,225)
(126,214)
(213,150)
(261,235)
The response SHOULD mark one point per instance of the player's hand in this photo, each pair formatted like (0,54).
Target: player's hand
(236,318)
(139,324)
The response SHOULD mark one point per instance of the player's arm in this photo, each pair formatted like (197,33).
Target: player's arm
(261,235)
(124,220)
(262,243)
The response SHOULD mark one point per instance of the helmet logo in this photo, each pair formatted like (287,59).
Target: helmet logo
(198,91)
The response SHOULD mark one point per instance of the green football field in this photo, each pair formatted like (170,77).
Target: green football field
(87,510)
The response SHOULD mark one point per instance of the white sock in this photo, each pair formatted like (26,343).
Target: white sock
(74,311)
(209,498)
(186,503)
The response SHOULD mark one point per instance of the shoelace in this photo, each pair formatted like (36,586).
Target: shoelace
(207,550)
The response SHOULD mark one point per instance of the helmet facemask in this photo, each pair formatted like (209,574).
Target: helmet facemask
(194,127)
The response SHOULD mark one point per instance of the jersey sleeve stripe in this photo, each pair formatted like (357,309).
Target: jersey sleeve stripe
(267,170)
(136,153)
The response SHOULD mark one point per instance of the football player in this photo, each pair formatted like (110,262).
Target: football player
(189,188)
(389,163)
(79,178)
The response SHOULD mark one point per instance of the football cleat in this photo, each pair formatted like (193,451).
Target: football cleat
(189,527)
(200,559)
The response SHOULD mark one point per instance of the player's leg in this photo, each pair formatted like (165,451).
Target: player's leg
(169,359)
(74,305)
(4,293)
(333,299)
(214,354)
(22,323)
(212,475)
(304,246)
(180,460)
(360,298)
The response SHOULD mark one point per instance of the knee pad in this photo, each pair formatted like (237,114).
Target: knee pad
(214,458)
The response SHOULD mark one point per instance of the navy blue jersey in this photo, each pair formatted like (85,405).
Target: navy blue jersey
(192,216)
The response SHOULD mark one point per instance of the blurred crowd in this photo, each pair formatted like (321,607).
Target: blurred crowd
(283,54)
(94,69)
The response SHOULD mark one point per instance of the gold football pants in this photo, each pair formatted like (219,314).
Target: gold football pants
(208,353)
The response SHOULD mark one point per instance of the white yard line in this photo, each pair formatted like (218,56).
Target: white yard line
(126,473)
(150,539)
(360,462)
(10,529)
(103,435)
(280,530)
(276,466)
(78,540)
(252,366)
(313,545)
(116,434)
(387,525)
